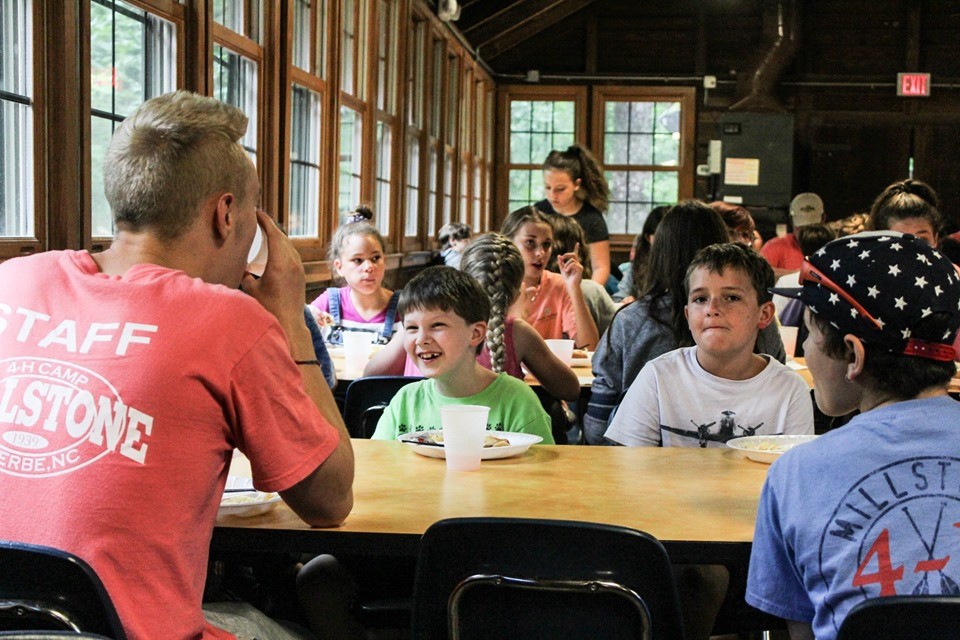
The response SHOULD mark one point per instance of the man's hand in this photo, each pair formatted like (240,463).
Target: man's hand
(282,288)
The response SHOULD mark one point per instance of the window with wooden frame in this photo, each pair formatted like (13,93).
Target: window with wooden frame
(451,109)
(645,142)
(20,221)
(307,113)
(415,92)
(236,64)
(354,15)
(134,56)
(465,145)
(438,57)
(539,119)
(385,114)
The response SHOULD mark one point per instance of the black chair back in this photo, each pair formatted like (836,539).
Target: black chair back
(524,578)
(365,400)
(47,589)
(903,618)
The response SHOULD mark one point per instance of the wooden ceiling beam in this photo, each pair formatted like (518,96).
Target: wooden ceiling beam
(496,23)
(532,24)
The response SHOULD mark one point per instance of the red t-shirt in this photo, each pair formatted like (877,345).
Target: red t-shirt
(121,401)
(783,252)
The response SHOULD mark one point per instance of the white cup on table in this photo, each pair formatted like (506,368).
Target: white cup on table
(789,337)
(356,349)
(563,349)
(464,428)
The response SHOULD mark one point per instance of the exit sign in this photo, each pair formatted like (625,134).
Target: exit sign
(913,84)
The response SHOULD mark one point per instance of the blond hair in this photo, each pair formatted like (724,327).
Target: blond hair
(171,154)
(495,262)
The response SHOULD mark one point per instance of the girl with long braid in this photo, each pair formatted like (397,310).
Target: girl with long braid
(495,262)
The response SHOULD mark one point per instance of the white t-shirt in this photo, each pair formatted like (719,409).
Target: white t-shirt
(676,403)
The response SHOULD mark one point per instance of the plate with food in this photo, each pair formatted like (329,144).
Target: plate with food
(766,449)
(496,444)
(581,358)
(242,500)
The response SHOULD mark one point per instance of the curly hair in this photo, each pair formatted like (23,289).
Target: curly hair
(495,262)
(578,163)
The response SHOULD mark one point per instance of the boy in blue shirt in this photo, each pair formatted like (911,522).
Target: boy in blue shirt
(869,509)
(445,316)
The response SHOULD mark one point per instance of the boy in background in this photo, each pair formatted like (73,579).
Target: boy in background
(445,315)
(453,238)
(718,389)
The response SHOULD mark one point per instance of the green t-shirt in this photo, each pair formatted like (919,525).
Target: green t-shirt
(513,407)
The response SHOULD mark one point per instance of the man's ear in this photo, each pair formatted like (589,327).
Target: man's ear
(767,313)
(856,356)
(224,219)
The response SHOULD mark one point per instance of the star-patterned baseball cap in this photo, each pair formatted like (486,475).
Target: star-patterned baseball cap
(888,289)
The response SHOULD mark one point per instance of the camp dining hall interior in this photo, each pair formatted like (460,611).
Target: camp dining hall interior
(382,319)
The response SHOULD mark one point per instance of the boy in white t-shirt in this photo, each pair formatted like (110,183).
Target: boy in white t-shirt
(719,389)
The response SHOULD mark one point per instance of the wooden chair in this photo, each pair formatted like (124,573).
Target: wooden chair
(365,400)
(903,618)
(526,578)
(47,589)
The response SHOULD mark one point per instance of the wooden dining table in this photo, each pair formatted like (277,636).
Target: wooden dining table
(700,503)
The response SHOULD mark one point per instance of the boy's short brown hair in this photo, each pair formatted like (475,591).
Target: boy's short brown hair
(718,257)
(446,289)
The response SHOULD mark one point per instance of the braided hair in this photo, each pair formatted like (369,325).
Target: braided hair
(495,262)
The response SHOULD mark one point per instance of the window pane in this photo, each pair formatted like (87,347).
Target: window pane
(477,222)
(453,99)
(235,83)
(351,137)
(634,193)
(229,13)
(347,47)
(537,127)
(432,202)
(642,133)
(447,188)
(304,162)
(384,204)
(436,96)
(413,187)
(132,59)
(386,55)
(301,34)
(415,75)
(526,187)
(464,202)
(16,121)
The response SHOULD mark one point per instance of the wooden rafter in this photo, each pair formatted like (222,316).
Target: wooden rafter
(519,22)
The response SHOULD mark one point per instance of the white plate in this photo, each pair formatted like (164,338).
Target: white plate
(519,442)
(246,504)
(766,449)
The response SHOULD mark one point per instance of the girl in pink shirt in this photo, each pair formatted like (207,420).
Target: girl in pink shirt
(552,303)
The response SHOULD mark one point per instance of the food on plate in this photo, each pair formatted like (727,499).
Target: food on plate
(437,438)
(769,445)
(580,353)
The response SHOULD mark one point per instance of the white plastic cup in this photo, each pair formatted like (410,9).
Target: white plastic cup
(356,349)
(789,337)
(563,349)
(257,257)
(464,427)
